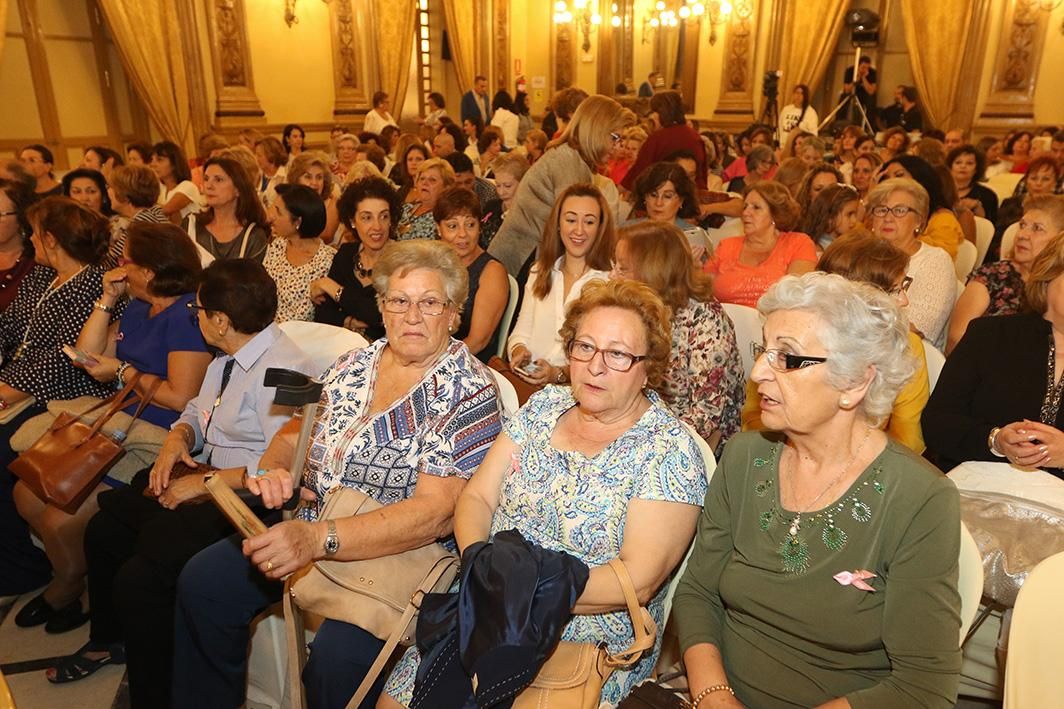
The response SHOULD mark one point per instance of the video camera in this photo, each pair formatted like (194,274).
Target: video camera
(770,85)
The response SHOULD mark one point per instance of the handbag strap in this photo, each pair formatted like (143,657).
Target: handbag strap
(297,648)
(431,579)
(644,628)
(118,402)
(244,241)
(145,401)
(114,402)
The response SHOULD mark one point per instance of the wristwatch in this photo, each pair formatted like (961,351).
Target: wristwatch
(332,542)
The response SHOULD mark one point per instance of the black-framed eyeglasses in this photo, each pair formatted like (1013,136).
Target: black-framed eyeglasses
(899,211)
(429,306)
(617,360)
(193,311)
(8,214)
(902,288)
(784,361)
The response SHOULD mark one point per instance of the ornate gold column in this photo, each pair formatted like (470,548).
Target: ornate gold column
(1011,99)
(503,66)
(564,56)
(237,103)
(736,103)
(350,71)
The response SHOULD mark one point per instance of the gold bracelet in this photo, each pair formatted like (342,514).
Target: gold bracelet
(709,690)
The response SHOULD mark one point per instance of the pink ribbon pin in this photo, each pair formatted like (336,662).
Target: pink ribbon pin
(855,579)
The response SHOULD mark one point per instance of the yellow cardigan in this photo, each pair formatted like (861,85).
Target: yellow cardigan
(944,231)
(904,422)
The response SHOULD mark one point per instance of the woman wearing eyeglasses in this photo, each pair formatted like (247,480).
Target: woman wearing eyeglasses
(405,420)
(601,469)
(824,572)
(898,208)
(997,288)
(864,258)
(143,534)
(155,339)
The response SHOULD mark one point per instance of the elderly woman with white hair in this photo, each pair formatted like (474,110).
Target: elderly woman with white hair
(899,210)
(824,572)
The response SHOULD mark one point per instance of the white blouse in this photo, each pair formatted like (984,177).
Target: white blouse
(932,293)
(539,321)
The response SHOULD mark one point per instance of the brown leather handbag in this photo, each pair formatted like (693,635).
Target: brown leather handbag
(382,596)
(66,464)
(574,674)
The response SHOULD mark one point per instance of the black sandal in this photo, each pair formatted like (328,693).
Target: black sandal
(77,666)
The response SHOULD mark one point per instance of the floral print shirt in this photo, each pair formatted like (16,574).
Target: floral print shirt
(1004,284)
(705,384)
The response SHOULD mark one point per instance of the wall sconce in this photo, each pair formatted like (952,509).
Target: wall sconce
(290,12)
(719,12)
(584,18)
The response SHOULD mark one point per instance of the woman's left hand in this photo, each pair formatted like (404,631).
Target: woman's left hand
(544,373)
(182,490)
(1051,444)
(284,548)
(104,370)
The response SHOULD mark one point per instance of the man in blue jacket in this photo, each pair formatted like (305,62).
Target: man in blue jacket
(475,102)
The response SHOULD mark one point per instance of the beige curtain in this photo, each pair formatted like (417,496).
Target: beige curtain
(3,24)
(810,33)
(460,16)
(395,31)
(938,35)
(148,38)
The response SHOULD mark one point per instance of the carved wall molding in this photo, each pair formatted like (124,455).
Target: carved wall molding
(564,57)
(231,60)
(736,103)
(351,70)
(1015,75)
(503,67)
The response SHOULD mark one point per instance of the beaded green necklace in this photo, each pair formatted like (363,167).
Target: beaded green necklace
(794,550)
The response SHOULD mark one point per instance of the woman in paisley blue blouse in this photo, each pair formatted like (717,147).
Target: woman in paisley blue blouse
(824,572)
(405,420)
(639,473)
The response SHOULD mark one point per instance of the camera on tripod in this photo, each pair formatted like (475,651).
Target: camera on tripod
(770,85)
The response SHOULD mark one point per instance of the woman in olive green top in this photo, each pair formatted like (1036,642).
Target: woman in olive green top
(825,565)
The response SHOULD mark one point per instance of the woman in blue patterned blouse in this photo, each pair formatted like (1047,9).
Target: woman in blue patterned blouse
(405,420)
(599,470)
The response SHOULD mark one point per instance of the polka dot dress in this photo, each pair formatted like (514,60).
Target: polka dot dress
(38,323)
(293,282)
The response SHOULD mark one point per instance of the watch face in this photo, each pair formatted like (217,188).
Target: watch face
(332,545)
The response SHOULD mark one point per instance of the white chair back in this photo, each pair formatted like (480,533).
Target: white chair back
(967,253)
(935,362)
(1008,239)
(984,234)
(507,318)
(711,465)
(731,227)
(507,394)
(969,580)
(322,343)
(1004,184)
(1033,676)
(747,322)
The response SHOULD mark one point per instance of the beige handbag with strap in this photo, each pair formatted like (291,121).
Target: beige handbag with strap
(382,596)
(574,674)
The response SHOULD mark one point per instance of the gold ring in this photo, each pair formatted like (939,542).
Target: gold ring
(269,566)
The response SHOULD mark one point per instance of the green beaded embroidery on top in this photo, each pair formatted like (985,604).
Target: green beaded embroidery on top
(794,550)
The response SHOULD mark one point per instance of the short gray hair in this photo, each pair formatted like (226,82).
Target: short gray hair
(400,257)
(760,155)
(880,193)
(861,327)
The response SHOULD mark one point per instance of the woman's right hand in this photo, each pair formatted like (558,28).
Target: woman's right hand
(275,487)
(114,285)
(174,450)
(519,357)
(322,288)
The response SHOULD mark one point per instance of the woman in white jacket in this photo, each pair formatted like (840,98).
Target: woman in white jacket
(798,115)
